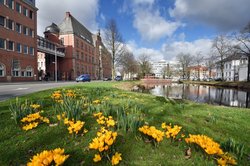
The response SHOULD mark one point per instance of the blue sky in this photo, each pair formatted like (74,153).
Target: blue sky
(160,28)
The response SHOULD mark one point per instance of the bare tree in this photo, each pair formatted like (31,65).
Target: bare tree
(210,63)
(164,72)
(144,64)
(114,42)
(243,45)
(224,49)
(167,71)
(198,59)
(128,63)
(185,61)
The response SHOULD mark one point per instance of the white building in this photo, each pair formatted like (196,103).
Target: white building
(158,67)
(235,68)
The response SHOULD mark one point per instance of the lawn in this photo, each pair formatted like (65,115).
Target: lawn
(229,127)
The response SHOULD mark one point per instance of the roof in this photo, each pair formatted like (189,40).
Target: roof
(71,25)
(198,67)
(236,56)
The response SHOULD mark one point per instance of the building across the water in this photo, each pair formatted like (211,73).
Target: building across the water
(18,44)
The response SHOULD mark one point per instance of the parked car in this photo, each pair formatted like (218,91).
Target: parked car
(118,78)
(83,78)
(107,79)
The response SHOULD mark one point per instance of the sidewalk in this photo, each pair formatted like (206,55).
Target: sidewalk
(31,82)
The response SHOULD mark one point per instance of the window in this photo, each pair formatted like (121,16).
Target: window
(1,1)
(2,21)
(25,11)
(11,4)
(25,30)
(10,24)
(11,45)
(31,14)
(62,40)
(29,71)
(18,28)
(77,43)
(15,72)
(19,48)
(18,8)
(2,43)
(2,70)
(25,49)
(22,73)
(31,32)
(77,54)
(15,68)
(31,50)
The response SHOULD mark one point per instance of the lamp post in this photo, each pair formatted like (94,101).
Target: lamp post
(55,65)
(100,63)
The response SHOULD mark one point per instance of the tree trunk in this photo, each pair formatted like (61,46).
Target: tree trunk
(222,71)
(248,69)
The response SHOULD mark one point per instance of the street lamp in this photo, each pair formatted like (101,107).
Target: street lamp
(55,65)
(100,63)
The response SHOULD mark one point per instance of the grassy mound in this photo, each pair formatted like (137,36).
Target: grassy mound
(229,127)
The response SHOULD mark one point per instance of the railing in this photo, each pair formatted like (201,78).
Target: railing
(47,46)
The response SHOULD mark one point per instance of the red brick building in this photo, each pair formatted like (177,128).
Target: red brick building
(18,42)
(83,54)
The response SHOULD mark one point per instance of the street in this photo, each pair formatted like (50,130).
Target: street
(10,90)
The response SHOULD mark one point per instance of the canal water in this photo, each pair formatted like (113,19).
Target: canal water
(202,94)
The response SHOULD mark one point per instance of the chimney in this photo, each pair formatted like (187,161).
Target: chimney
(67,14)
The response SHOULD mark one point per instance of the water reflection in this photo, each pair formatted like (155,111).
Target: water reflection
(202,94)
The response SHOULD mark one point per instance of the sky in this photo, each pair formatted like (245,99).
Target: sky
(160,28)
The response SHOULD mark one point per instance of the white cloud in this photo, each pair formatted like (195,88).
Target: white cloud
(221,14)
(54,11)
(137,2)
(169,52)
(155,55)
(102,17)
(173,49)
(152,26)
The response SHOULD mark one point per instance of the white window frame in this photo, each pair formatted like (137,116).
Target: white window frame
(4,21)
(25,30)
(25,11)
(12,26)
(19,10)
(13,48)
(2,68)
(19,51)
(16,72)
(33,50)
(25,46)
(29,71)
(4,44)
(20,30)
(12,5)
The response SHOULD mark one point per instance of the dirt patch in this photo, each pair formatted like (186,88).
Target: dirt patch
(126,85)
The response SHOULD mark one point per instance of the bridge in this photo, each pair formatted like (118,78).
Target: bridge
(46,46)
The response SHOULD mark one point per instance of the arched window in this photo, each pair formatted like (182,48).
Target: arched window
(29,71)
(2,70)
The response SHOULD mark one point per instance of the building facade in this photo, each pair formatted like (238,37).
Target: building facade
(159,68)
(234,68)
(198,72)
(84,52)
(18,44)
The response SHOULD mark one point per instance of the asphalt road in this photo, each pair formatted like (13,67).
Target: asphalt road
(10,90)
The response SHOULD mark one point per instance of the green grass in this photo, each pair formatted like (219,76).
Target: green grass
(220,123)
